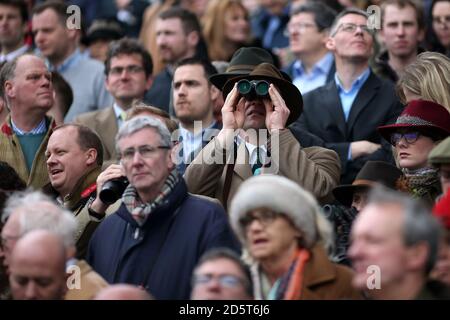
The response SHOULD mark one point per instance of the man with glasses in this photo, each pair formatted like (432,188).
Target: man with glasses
(128,73)
(156,237)
(308,31)
(346,112)
(221,275)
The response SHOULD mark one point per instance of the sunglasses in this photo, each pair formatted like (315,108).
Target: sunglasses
(410,137)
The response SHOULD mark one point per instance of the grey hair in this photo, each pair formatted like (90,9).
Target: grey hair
(39,212)
(138,123)
(419,224)
(335,25)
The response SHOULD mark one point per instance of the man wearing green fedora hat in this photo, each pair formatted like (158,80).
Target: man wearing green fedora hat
(440,157)
(243,62)
(254,140)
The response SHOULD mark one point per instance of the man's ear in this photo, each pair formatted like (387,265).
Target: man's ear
(193,38)
(9,89)
(417,256)
(330,44)
(73,34)
(420,36)
(214,92)
(381,36)
(91,156)
(148,82)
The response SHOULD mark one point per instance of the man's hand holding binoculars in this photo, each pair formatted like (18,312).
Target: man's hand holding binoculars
(277,112)
(114,171)
(233,110)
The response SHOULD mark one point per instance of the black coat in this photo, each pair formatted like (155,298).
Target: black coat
(376,104)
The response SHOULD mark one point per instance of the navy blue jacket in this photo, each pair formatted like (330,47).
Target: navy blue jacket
(162,254)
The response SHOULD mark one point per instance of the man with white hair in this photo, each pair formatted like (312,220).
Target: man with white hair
(28,211)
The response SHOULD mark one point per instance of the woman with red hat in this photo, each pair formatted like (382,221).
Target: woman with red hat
(420,127)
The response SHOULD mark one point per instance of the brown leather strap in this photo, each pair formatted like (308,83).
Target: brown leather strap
(229,167)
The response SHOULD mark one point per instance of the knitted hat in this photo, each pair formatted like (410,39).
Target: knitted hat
(280,195)
(422,115)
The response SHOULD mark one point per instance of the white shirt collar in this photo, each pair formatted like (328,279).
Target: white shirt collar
(18,52)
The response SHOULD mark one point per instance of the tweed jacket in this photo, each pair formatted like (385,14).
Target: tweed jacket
(104,123)
(90,283)
(316,169)
(11,152)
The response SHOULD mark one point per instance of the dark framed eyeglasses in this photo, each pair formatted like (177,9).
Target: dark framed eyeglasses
(264,217)
(145,151)
(410,137)
(225,280)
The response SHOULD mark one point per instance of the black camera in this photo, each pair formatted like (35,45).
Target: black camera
(113,189)
(253,89)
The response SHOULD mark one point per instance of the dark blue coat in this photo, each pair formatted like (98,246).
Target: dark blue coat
(162,254)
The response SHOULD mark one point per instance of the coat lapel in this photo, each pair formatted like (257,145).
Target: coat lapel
(242,167)
(364,96)
(318,269)
(332,102)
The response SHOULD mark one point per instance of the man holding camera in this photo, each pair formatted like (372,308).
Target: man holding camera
(74,158)
(155,238)
(254,139)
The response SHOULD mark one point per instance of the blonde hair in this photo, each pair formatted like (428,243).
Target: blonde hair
(213,22)
(427,77)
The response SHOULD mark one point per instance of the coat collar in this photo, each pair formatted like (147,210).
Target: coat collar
(85,186)
(7,130)
(242,167)
(318,269)
(173,201)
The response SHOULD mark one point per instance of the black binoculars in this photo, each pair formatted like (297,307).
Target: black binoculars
(113,189)
(254,89)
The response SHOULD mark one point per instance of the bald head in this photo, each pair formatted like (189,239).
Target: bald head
(37,267)
(123,292)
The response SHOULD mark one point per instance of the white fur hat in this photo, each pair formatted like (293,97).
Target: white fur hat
(280,195)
